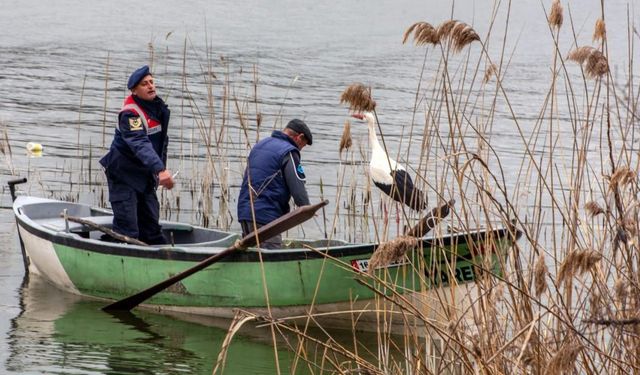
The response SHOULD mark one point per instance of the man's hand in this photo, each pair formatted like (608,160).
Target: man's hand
(165,179)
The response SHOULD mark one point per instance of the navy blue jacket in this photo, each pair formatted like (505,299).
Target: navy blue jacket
(271,194)
(139,148)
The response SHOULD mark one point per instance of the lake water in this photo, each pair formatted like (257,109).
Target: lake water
(63,68)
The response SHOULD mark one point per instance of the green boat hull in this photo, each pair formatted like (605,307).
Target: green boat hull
(332,274)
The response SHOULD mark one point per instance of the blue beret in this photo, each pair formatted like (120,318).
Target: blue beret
(137,76)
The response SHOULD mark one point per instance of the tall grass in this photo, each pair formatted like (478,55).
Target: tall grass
(567,299)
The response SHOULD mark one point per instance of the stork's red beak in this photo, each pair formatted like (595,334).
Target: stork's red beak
(359,116)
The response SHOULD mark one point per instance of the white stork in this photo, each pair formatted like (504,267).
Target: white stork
(387,174)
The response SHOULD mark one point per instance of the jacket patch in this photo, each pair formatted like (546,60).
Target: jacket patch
(135,123)
(300,170)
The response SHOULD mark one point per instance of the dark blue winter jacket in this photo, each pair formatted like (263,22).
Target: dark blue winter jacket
(139,148)
(264,170)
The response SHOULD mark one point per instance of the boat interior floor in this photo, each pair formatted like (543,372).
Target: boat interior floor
(50,216)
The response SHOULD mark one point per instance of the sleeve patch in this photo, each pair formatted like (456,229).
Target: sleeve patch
(135,123)
(299,169)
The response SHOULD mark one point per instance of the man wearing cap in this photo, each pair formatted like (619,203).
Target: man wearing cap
(273,176)
(136,162)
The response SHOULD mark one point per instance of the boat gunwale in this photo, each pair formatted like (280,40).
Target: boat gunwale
(193,253)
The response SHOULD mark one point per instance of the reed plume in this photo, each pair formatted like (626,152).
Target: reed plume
(391,251)
(555,17)
(491,71)
(345,140)
(577,263)
(539,274)
(564,359)
(629,223)
(358,96)
(444,29)
(459,34)
(620,289)
(594,62)
(530,357)
(600,31)
(593,209)
(622,176)
(595,303)
(628,229)
(423,33)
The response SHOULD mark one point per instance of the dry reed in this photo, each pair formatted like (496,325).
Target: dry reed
(599,31)
(239,320)
(423,33)
(564,359)
(540,274)
(576,263)
(596,304)
(594,62)
(458,34)
(345,140)
(5,147)
(456,124)
(555,16)
(593,209)
(621,177)
(621,291)
(491,71)
(391,251)
(358,96)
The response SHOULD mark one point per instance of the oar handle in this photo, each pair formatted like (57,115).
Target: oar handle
(283,224)
(12,186)
(432,219)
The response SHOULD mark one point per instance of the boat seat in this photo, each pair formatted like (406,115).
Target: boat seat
(58,224)
(221,242)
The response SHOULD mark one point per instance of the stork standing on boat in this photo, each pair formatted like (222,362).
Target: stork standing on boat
(387,174)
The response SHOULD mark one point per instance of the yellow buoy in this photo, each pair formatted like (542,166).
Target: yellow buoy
(34,147)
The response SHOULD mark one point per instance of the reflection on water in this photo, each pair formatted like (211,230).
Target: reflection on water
(57,333)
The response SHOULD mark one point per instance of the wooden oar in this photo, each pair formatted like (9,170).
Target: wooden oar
(432,219)
(272,229)
(12,189)
(391,251)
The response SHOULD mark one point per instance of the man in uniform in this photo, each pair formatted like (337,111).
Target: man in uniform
(136,162)
(273,175)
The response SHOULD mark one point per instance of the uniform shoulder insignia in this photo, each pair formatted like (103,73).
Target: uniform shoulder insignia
(299,169)
(135,123)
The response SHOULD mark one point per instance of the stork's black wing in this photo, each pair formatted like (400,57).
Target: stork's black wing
(404,191)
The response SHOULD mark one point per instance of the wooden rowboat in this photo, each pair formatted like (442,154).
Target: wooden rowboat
(319,275)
